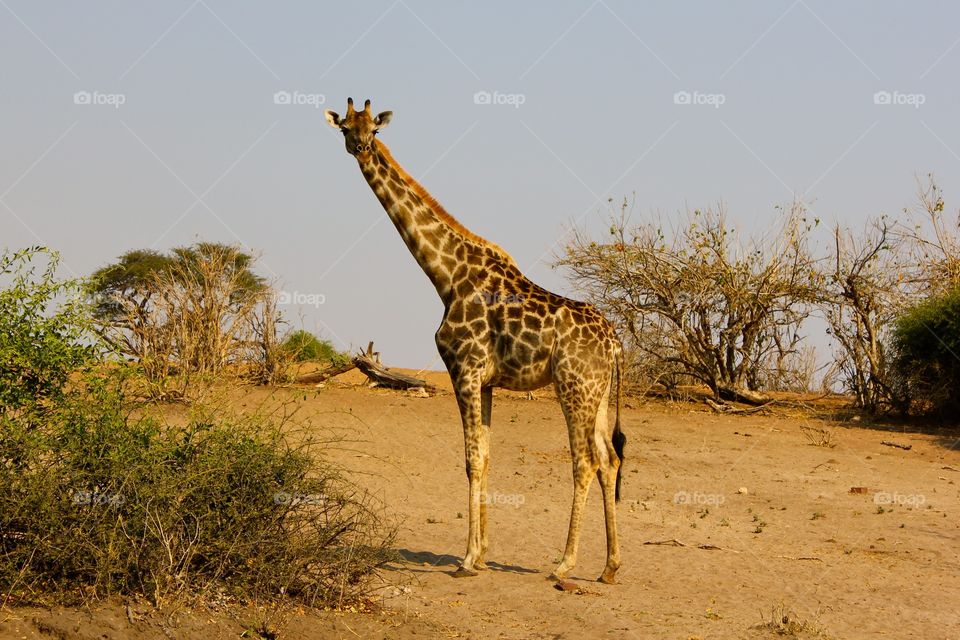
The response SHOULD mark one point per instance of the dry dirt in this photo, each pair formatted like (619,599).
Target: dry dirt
(754,525)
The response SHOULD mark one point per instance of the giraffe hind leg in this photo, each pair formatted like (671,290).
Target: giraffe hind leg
(580,410)
(608,475)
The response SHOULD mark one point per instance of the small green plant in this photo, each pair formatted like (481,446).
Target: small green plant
(760,524)
(818,515)
(306,347)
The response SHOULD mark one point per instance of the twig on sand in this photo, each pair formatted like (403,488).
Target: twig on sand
(888,443)
(673,542)
(801,558)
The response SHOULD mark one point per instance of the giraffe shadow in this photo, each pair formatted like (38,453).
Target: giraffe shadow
(426,560)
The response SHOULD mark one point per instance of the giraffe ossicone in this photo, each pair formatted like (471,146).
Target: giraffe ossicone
(499,329)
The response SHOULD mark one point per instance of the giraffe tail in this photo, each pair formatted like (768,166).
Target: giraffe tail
(619,439)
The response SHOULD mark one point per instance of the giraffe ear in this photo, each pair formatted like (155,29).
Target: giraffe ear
(333,118)
(383,119)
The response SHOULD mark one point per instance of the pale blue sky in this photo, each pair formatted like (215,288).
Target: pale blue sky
(199,149)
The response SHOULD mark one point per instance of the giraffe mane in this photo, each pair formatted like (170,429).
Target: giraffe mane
(437,208)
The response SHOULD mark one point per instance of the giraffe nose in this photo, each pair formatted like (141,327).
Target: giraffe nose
(363,147)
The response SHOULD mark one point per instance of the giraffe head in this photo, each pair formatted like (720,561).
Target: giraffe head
(358,127)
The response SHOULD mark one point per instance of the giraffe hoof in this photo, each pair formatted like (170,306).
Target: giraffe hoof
(608,578)
(464,573)
(480,566)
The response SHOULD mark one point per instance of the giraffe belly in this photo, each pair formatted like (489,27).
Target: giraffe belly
(521,377)
(514,383)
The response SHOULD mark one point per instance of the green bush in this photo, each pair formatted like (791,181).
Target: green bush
(98,503)
(306,347)
(40,346)
(926,343)
(96,499)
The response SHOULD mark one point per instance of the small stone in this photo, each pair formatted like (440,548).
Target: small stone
(743,491)
(566,585)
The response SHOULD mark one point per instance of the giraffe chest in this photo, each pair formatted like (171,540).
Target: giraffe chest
(501,339)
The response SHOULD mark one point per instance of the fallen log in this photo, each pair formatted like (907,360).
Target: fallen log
(318,377)
(745,396)
(725,408)
(369,363)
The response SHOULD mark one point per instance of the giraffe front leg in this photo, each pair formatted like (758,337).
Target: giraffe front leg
(486,406)
(476,449)
(581,485)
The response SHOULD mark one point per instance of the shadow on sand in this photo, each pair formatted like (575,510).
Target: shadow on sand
(422,561)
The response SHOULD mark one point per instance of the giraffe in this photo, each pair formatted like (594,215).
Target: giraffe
(499,329)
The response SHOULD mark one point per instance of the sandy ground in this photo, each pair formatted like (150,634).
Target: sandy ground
(751,518)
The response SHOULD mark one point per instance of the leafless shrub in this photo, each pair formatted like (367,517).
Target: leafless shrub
(798,370)
(267,360)
(818,437)
(861,299)
(933,242)
(700,302)
(872,279)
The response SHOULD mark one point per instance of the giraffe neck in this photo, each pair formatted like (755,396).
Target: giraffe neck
(441,246)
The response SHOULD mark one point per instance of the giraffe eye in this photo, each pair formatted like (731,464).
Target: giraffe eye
(343,131)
